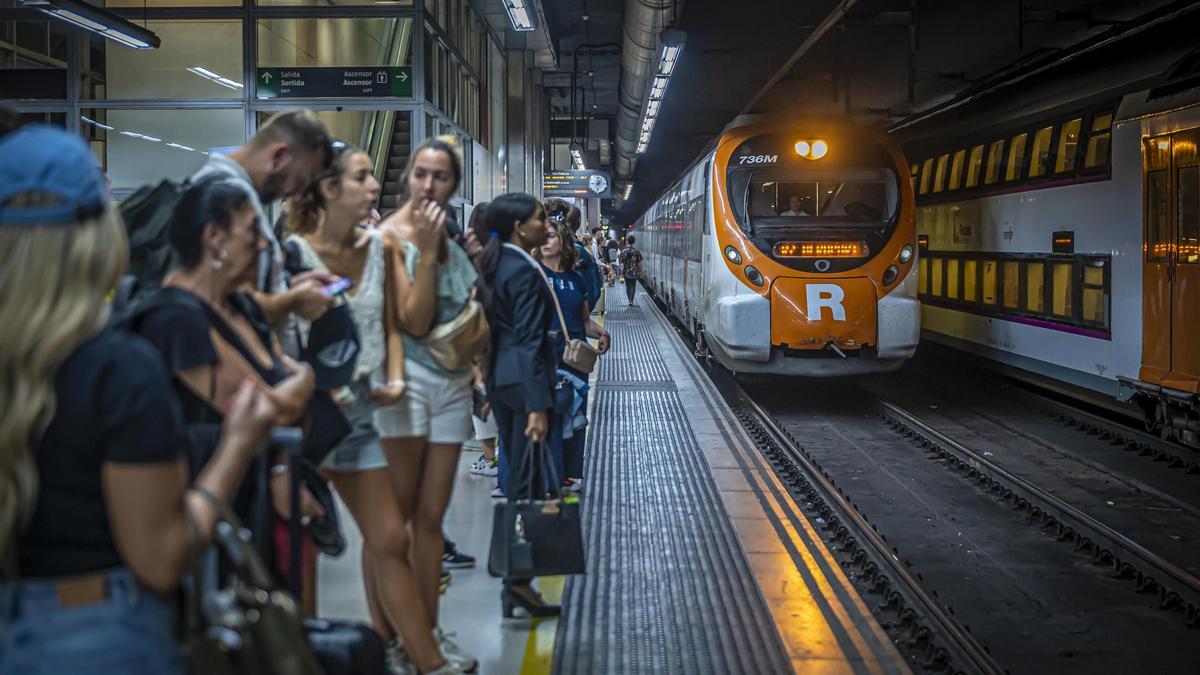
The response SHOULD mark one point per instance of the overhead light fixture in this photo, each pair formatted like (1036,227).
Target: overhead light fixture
(94,123)
(210,75)
(668,58)
(628,191)
(98,21)
(518,15)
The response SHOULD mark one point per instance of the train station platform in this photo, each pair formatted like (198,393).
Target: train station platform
(699,561)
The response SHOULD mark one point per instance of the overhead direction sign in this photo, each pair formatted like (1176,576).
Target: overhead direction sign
(335,82)
(583,184)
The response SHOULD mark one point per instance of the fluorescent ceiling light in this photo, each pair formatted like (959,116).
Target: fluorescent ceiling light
(667,59)
(628,190)
(659,88)
(214,77)
(95,123)
(181,147)
(98,21)
(518,14)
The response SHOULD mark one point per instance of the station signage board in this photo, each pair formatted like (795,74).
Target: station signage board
(581,184)
(348,82)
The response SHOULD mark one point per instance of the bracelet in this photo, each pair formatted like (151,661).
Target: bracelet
(396,383)
(279,469)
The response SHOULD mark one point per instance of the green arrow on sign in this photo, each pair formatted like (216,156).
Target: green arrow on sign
(268,82)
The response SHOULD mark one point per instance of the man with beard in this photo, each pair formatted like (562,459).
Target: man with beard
(289,153)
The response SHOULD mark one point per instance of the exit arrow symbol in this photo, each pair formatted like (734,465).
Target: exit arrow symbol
(403,76)
(266,77)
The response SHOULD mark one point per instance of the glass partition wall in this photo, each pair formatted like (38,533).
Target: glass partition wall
(381,75)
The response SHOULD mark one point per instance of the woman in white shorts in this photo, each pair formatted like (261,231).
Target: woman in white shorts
(423,433)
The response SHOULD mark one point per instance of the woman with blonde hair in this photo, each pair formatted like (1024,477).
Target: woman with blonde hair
(94,533)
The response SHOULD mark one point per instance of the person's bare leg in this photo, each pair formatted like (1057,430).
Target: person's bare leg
(347,485)
(437,484)
(384,522)
(489,448)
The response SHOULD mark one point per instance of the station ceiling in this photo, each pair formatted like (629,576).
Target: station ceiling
(881,62)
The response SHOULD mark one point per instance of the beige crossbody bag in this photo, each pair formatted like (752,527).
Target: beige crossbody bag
(578,353)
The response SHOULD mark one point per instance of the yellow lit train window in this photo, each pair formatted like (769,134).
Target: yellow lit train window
(1187,190)
(1016,156)
(923,276)
(989,282)
(1093,293)
(1062,273)
(968,284)
(952,278)
(912,172)
(1040,151)
(926,171)
(1068,144)
(1097,147)
(956,169)
(1158,224)
(995,154)
(939,177)
(973,166)
(936,273)
(1035,287)
(1012,284)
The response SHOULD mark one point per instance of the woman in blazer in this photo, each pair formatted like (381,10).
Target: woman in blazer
(520,381)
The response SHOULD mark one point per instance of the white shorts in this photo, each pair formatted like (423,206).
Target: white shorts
(485,429)
(435,406)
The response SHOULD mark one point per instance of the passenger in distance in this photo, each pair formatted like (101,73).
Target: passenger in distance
(795,207)
(521,377)
(93,510)
(423,433)
(631,267)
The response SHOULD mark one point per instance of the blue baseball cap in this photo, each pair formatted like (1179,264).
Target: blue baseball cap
(40,158)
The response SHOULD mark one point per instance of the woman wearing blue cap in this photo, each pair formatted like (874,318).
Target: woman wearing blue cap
(93,502)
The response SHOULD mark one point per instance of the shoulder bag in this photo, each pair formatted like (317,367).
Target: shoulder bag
(538,537)
(455,343)
(578,353)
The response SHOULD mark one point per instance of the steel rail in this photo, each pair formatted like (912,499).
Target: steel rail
(1176,586)
(963,651)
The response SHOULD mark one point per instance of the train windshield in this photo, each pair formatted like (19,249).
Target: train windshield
(866,198)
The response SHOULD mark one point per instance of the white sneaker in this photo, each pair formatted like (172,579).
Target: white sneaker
(497,493)
(453,652)
(398,662)
(485,467)
(448,669)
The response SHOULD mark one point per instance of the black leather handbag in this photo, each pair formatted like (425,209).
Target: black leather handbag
(538,537)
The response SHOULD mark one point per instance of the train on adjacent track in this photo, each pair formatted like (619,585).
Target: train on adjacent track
(788,247)
(1058,219)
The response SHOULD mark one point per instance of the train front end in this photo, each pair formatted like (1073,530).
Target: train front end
(814,221)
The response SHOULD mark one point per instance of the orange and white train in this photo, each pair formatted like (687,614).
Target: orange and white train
(788,247)
(1058,217)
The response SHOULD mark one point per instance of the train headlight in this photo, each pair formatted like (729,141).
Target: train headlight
(905,254)
(889,275)
(734,256)
(754,276)
(812,149)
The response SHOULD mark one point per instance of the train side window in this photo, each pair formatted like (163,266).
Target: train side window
(1093,293)
(1040,152)
(1062,274)
(939,176)
(969,279)
(1158,225)
(956,168)
(912,173)
(935,281)
(923,276)
(973,166)
(926,171)
(952,278)
(1035,287)
(989,282)
(1068,146)
(995,155)
(1186,188)
(1012,284)
(1098,140)
(1016,157)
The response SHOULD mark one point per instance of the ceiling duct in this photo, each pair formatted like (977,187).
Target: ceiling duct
(644,20)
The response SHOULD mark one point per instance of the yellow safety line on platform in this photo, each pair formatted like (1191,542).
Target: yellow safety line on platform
(539,647)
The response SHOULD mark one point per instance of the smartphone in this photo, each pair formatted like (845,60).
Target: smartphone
(338,287)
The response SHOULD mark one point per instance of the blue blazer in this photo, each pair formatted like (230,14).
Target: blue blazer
(524,326)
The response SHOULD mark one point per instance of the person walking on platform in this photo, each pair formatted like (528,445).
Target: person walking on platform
(94,513)
(631,267)
(432,280)
(559,259)
(521,378)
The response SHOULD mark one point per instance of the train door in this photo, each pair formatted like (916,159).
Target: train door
(1171,275)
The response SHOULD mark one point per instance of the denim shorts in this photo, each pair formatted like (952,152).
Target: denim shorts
(360,450)
(132,632)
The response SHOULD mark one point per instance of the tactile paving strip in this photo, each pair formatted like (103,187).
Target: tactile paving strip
(668,588)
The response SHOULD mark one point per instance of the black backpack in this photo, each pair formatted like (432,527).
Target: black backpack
(147,216)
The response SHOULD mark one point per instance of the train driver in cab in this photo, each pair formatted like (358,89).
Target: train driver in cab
(795,207)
